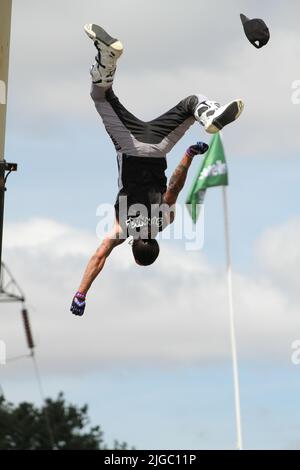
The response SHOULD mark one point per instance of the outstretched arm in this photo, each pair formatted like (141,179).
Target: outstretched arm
(97,261)
(95,266)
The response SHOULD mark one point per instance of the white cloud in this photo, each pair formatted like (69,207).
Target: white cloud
(171,313)
(47,236)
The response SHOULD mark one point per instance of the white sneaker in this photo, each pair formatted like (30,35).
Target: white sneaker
(109,50)
(214,117)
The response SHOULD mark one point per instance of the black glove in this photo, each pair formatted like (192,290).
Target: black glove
(78,304)
(198,149)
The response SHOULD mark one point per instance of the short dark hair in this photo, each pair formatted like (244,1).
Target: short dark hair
(145,251)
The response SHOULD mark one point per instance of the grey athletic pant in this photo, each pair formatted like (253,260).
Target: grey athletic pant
(137,138)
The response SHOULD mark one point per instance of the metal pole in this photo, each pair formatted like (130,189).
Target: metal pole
(41,390)
(232,328)
(5,22)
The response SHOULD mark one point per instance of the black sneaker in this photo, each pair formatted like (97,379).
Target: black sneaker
(109,50)
(214,117)
(103,41)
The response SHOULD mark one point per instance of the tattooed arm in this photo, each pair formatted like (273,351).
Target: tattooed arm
(178,178)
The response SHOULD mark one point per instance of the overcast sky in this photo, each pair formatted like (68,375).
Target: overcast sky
(152,354)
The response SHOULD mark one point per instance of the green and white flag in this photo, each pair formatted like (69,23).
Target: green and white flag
(213,172)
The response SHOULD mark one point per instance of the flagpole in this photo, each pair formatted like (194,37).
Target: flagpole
(232,328)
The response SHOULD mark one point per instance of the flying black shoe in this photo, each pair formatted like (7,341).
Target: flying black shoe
(214,117)
(109,50)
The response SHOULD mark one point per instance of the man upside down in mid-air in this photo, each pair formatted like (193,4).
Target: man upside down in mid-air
(141,154)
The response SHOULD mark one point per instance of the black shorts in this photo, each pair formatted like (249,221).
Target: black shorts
(143,183)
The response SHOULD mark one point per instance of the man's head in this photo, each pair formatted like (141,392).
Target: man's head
(145,252)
